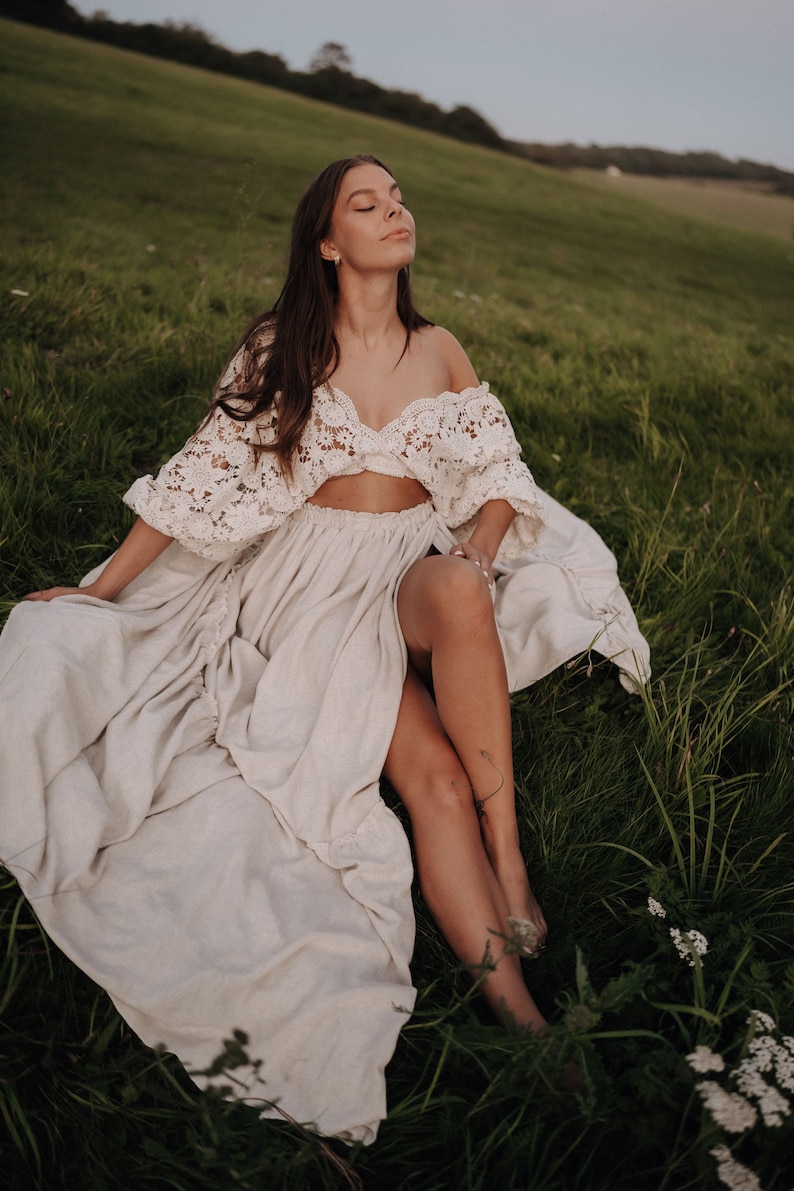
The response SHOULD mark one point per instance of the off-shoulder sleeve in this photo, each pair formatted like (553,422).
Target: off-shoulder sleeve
(245,366)
(478,460)
(218,494)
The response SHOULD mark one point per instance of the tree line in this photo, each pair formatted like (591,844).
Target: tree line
(330,78)
(655,162)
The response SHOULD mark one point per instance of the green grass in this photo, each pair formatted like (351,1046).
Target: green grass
(647,361)
(753,207)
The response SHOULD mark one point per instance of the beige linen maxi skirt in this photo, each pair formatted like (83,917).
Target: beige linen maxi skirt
(189,788)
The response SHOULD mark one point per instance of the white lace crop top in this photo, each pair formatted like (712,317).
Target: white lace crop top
(218,494)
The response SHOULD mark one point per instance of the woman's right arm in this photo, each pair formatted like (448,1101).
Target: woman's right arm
(219,450)
(142,545)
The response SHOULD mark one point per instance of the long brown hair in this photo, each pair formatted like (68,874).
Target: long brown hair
(301,350)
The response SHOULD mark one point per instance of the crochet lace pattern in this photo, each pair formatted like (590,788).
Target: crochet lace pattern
(218,494)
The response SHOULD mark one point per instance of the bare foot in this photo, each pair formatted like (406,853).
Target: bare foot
(573,1079)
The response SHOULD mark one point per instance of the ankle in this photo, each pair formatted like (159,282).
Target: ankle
(502,849)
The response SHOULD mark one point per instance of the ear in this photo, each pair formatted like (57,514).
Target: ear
(327,250)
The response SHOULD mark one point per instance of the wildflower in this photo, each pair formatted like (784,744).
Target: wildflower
(767,1057)
(656,908)
(579,1017)
(732,1173)
(762,1023)
(689,943)
(526,935)
(784,1064)
(730,1110)
(761,1054)
(703,1059)
(772,1104)
(698,941)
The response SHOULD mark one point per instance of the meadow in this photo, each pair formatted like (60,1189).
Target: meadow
(647,361)
(747,205)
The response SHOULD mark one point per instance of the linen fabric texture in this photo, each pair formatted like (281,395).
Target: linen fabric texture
(189,776)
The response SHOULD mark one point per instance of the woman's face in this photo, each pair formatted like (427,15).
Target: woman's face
(371,230)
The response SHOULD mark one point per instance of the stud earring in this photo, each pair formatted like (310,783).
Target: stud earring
(337,260)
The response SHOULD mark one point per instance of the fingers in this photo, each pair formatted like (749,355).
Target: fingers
(52,593)
(472,554)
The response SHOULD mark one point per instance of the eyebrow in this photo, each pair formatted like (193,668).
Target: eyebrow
(369,190)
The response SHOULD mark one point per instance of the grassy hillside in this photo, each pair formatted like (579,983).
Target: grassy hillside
(747,205)
(648,363)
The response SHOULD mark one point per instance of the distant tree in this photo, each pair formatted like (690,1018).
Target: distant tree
(189,31)
(466,124)
(331,56)
(54,14)
(267,68)
(330,76)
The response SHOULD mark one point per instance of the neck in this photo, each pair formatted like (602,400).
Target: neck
(366,310)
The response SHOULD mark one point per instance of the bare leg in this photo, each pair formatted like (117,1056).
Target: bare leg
(446,615)
(457,880)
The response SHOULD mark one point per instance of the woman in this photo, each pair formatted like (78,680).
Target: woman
(306,601)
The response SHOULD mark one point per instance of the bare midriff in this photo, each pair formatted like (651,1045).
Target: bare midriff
(369,492)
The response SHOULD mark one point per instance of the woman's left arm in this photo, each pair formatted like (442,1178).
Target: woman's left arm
(496,516)
(492,524)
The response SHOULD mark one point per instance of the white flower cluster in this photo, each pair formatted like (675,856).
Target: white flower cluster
(766,1056)
(732,1173)
(703,1060)
(525,936)
(730,1110)
(772,1104)
(735,1111)
(689,943)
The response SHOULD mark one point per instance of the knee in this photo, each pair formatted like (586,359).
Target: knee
(459,594)
(449,793)
(438,794)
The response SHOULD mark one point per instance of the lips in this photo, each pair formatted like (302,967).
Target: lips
(403,233)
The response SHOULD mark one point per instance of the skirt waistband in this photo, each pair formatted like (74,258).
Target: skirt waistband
(323,515)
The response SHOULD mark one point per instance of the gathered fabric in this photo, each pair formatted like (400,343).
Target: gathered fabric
(191,803)
(189,776)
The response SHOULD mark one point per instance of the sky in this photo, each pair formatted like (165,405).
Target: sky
(672,74)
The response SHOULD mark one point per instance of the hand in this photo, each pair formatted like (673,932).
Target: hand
(52,593)
(475,555)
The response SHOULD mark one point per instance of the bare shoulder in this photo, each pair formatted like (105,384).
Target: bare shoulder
(457,365)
